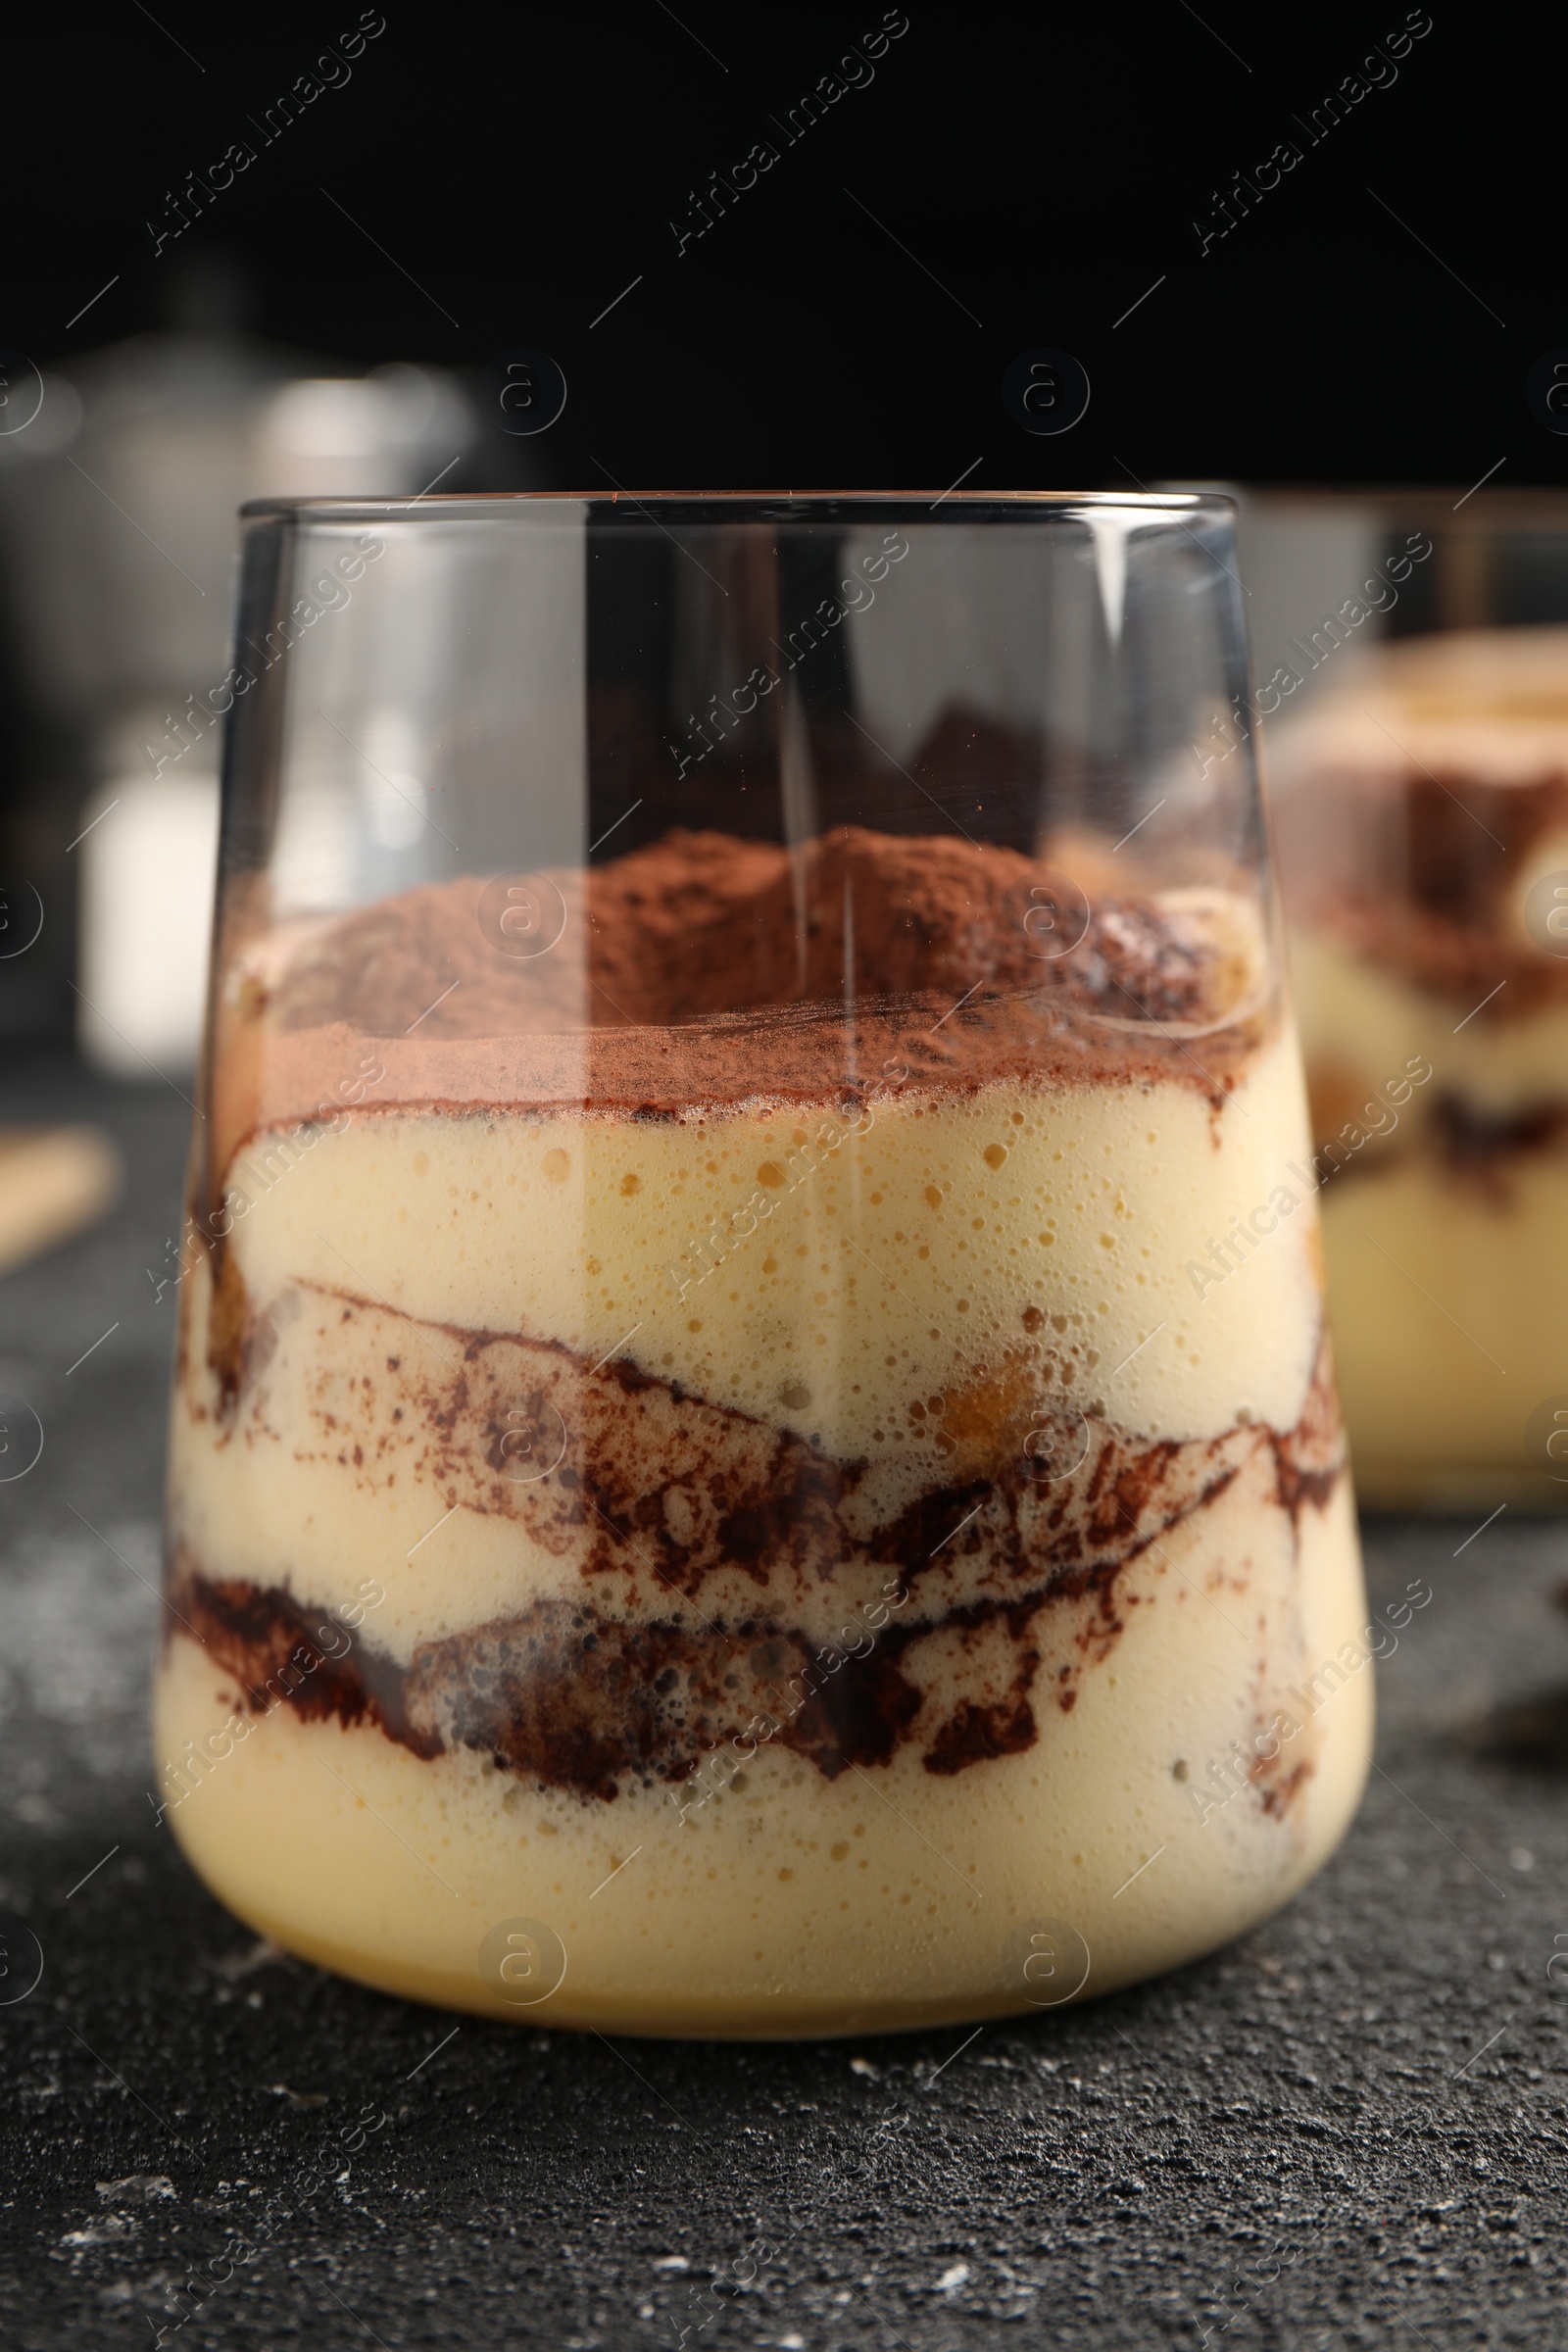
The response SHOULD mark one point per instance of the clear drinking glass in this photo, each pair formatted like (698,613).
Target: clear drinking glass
(754,1449)
(1419,750)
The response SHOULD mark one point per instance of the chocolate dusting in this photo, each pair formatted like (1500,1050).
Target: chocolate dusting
(1417,872)
(703,970)
(697,926)
(1444,840)
(1460,963)
(841,1632)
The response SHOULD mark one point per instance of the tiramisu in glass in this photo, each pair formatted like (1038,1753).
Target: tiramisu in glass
(718,1483)
(1423,820)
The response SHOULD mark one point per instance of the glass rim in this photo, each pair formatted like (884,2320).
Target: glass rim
(743,505)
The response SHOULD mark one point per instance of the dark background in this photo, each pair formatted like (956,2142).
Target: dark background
(1033,173)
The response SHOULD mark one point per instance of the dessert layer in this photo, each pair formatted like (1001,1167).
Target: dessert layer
(713,1575)
(1134,1832)
(831,1277)
(708,971)
(1362,1026)
(1448,1319)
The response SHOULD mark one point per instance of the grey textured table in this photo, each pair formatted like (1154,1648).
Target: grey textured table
(1349,2128)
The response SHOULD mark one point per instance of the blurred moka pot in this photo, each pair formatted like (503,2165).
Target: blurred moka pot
(117,538)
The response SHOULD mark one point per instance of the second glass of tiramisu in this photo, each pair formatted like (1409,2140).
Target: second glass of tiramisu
(1418,740)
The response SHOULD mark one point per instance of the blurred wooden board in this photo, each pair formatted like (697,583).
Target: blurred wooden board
(54,1182)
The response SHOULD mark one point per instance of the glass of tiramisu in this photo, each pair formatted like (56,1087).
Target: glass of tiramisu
(1419,753)
(754,1446)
